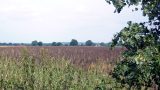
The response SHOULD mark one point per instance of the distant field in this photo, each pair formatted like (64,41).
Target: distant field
(76,54)
(58,68)
(81,56)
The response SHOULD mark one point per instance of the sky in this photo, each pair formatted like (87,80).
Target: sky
(61,20)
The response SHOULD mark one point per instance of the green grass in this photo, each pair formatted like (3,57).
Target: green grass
(46,73)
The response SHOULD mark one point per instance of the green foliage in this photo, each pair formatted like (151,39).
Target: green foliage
(40,43)
(134,37)
(47,73)
(103,44)
(59,44)
(74,42)
(150,8)
(54,43)
(140,63)
(34,43)
(89,43)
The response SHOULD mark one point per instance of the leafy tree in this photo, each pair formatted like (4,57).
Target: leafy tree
(10,44)
(102,44)
(54,43)
(34,43)
(74,42)
(89,43)
(140,65)
(59,44)
(40,43)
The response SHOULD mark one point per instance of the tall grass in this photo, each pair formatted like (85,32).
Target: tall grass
(48,73)
(79,56)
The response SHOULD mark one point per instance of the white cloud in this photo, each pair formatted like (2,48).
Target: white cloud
(60,20)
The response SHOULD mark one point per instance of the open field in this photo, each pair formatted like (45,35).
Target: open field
(81,56)
(57,68)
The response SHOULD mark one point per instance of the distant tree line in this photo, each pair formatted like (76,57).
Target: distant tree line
(73,42)
(11,44)
(36,43)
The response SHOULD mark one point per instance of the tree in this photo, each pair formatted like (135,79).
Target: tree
(74,42)
(40,43)
(59,44)
(10,44)
(34,43)
(89,43)
(102,44)
(54,43)
(141,62)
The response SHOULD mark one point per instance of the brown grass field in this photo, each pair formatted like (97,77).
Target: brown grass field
(58,68)
(86,57)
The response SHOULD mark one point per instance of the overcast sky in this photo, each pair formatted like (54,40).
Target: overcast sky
(61,20)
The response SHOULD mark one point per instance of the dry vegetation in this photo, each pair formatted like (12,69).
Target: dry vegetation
(57,68)
(85,57)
